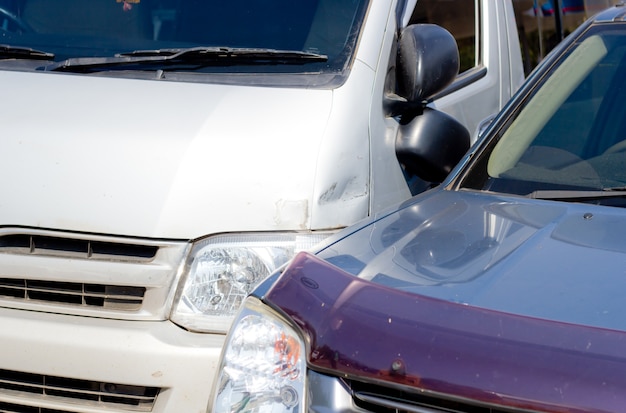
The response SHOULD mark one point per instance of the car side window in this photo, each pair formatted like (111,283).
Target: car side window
(459,17)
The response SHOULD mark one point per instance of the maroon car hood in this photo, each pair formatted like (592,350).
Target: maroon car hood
(362,330)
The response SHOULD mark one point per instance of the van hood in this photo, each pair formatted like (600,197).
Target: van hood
(486,299)
(156,158)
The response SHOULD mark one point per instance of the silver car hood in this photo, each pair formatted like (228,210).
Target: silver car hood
(552,260)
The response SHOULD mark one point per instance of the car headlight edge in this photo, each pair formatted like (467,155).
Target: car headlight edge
(222,270)
(263,365)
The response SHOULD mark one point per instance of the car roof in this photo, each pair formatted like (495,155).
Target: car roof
(616,13)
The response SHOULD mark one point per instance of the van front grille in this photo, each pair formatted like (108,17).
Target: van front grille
(41,389)
(75,247)
(111,297)
(92,275)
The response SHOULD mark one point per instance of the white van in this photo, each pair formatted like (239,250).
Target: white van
(160,157)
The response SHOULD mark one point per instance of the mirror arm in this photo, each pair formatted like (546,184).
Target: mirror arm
(395,105)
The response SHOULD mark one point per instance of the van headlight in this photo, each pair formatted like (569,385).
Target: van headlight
(222,270)
(263,366)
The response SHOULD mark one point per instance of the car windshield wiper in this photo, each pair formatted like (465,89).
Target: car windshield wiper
(578,194)
(229,52)
(16,52)
(195,56)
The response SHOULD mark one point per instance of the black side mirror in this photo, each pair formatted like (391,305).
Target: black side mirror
(431,145)
(427,61)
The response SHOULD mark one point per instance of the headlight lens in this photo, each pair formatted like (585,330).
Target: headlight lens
(224,269)
(263,365)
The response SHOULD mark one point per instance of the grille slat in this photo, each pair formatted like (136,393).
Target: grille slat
(18,408)
(392,405)
(75,247)
(381,399)
(35,387)
(124,298)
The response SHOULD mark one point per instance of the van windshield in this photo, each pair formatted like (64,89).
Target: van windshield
(266,36)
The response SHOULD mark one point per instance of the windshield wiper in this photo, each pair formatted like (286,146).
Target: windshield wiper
(578,194)
(16,52)
(229,52)
(195,56)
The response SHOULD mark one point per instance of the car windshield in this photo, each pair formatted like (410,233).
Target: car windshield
(269,36)
(568,139)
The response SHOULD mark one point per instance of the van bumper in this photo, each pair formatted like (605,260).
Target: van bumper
(82,364)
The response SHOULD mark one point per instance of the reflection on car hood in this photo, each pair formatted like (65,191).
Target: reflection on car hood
(507,301)
(553,260)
